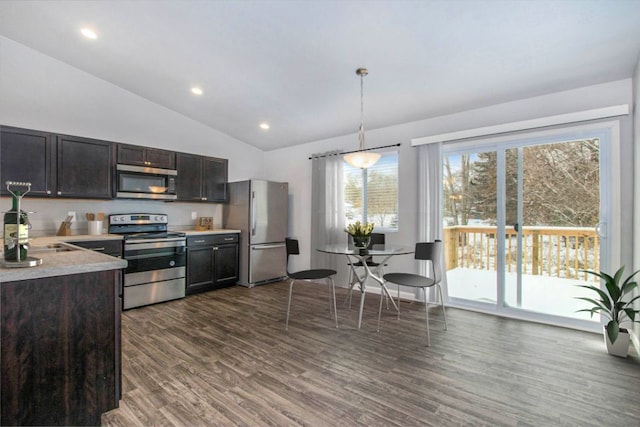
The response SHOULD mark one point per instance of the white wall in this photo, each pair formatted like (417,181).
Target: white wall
(292,164)
(39,92)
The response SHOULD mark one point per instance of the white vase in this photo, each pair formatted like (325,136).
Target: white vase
(620,347)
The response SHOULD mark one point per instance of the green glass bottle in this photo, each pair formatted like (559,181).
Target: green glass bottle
(12,231)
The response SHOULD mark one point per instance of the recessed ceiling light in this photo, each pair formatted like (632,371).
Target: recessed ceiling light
(89,33)
(196,91)
(264,126)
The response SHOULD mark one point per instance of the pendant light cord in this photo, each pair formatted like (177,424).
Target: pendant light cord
(361,131)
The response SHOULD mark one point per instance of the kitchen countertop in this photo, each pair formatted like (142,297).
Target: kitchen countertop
(203,232)
(76,261)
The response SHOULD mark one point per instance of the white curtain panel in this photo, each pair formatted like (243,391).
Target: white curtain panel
(327,215)
(429,204)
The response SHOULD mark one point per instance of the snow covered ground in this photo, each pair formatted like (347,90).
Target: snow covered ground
(542,294)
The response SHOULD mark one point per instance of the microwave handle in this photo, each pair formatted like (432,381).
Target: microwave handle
(143,169)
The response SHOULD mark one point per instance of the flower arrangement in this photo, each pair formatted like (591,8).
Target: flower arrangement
(359,229)
(361,233)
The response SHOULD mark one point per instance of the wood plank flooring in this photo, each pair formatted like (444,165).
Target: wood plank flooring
(223,358)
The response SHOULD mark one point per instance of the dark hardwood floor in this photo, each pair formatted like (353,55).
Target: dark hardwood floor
(223,358)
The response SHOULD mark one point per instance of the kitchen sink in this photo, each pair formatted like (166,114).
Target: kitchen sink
(52,247)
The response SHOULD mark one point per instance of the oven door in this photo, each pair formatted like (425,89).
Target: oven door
(155,272)
(136,182)
(156,255)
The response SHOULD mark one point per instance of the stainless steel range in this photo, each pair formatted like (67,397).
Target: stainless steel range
(156,259)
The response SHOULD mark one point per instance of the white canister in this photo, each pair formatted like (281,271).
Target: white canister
(95,227)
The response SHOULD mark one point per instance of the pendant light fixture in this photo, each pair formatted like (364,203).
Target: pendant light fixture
(361,159)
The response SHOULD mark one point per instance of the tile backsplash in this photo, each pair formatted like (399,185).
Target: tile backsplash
(49,213)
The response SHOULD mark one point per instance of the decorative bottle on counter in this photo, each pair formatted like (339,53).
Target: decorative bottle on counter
(15,237)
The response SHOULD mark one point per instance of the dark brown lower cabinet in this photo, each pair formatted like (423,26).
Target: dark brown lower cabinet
(60,349)
(212,262)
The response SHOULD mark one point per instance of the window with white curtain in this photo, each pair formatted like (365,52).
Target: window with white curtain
(371,194)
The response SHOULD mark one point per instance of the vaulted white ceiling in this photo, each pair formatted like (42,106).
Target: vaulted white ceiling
(292,63)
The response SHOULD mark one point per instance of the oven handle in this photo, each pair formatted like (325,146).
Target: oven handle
(146,256)
(165,243)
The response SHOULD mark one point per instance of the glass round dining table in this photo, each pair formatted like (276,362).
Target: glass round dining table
(385,252)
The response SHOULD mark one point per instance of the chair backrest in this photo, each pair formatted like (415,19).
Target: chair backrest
(292,249)
(431,251)
(376,239)
(292,246)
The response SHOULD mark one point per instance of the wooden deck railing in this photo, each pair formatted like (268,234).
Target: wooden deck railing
(548,251)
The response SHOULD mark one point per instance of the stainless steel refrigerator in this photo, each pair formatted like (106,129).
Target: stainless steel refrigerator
(259,209)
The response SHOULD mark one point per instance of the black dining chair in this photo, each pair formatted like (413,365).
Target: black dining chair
(432,253)
(308,275)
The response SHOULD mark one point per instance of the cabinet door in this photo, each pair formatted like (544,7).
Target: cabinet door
(60,353)
(160,158)
(189,180)
(214,177)
(226,263)
(199,268)
(131,155)
(27,156)
(85,168)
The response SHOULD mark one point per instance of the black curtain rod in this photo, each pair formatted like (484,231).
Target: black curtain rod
(354,151)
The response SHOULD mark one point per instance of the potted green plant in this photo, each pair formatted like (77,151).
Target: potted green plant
(612,305)
(361,233)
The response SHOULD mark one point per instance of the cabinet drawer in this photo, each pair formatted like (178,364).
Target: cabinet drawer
(212,239)
(109,247)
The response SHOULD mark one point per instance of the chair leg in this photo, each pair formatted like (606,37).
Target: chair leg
(352,283)
(382,294)
(444,312)
(426,308)
(333,294)
(286,328)
(398,287)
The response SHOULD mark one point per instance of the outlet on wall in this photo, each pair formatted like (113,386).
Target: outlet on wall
(194,215)
(73,215)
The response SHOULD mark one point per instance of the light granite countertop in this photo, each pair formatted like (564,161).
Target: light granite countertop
(77,261)
(204,232)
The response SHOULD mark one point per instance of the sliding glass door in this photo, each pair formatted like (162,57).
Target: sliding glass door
(523,219)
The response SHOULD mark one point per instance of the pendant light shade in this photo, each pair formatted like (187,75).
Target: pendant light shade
(361,158)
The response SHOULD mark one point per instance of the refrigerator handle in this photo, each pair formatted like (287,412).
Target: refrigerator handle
(253,213)
(261,247)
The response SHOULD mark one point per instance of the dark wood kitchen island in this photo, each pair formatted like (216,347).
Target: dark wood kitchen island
(60,338)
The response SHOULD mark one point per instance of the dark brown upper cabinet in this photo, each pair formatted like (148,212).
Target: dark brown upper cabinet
(145,156)
(56,165)
(85,167)
(28,156)
(201,179)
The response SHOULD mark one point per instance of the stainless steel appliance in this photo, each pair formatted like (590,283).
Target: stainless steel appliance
(259,209)
(156,259)
(139,182)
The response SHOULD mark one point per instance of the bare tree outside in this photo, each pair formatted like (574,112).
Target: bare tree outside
(380,195)
(561,185)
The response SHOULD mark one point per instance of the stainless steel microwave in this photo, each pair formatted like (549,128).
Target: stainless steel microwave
(139,182)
